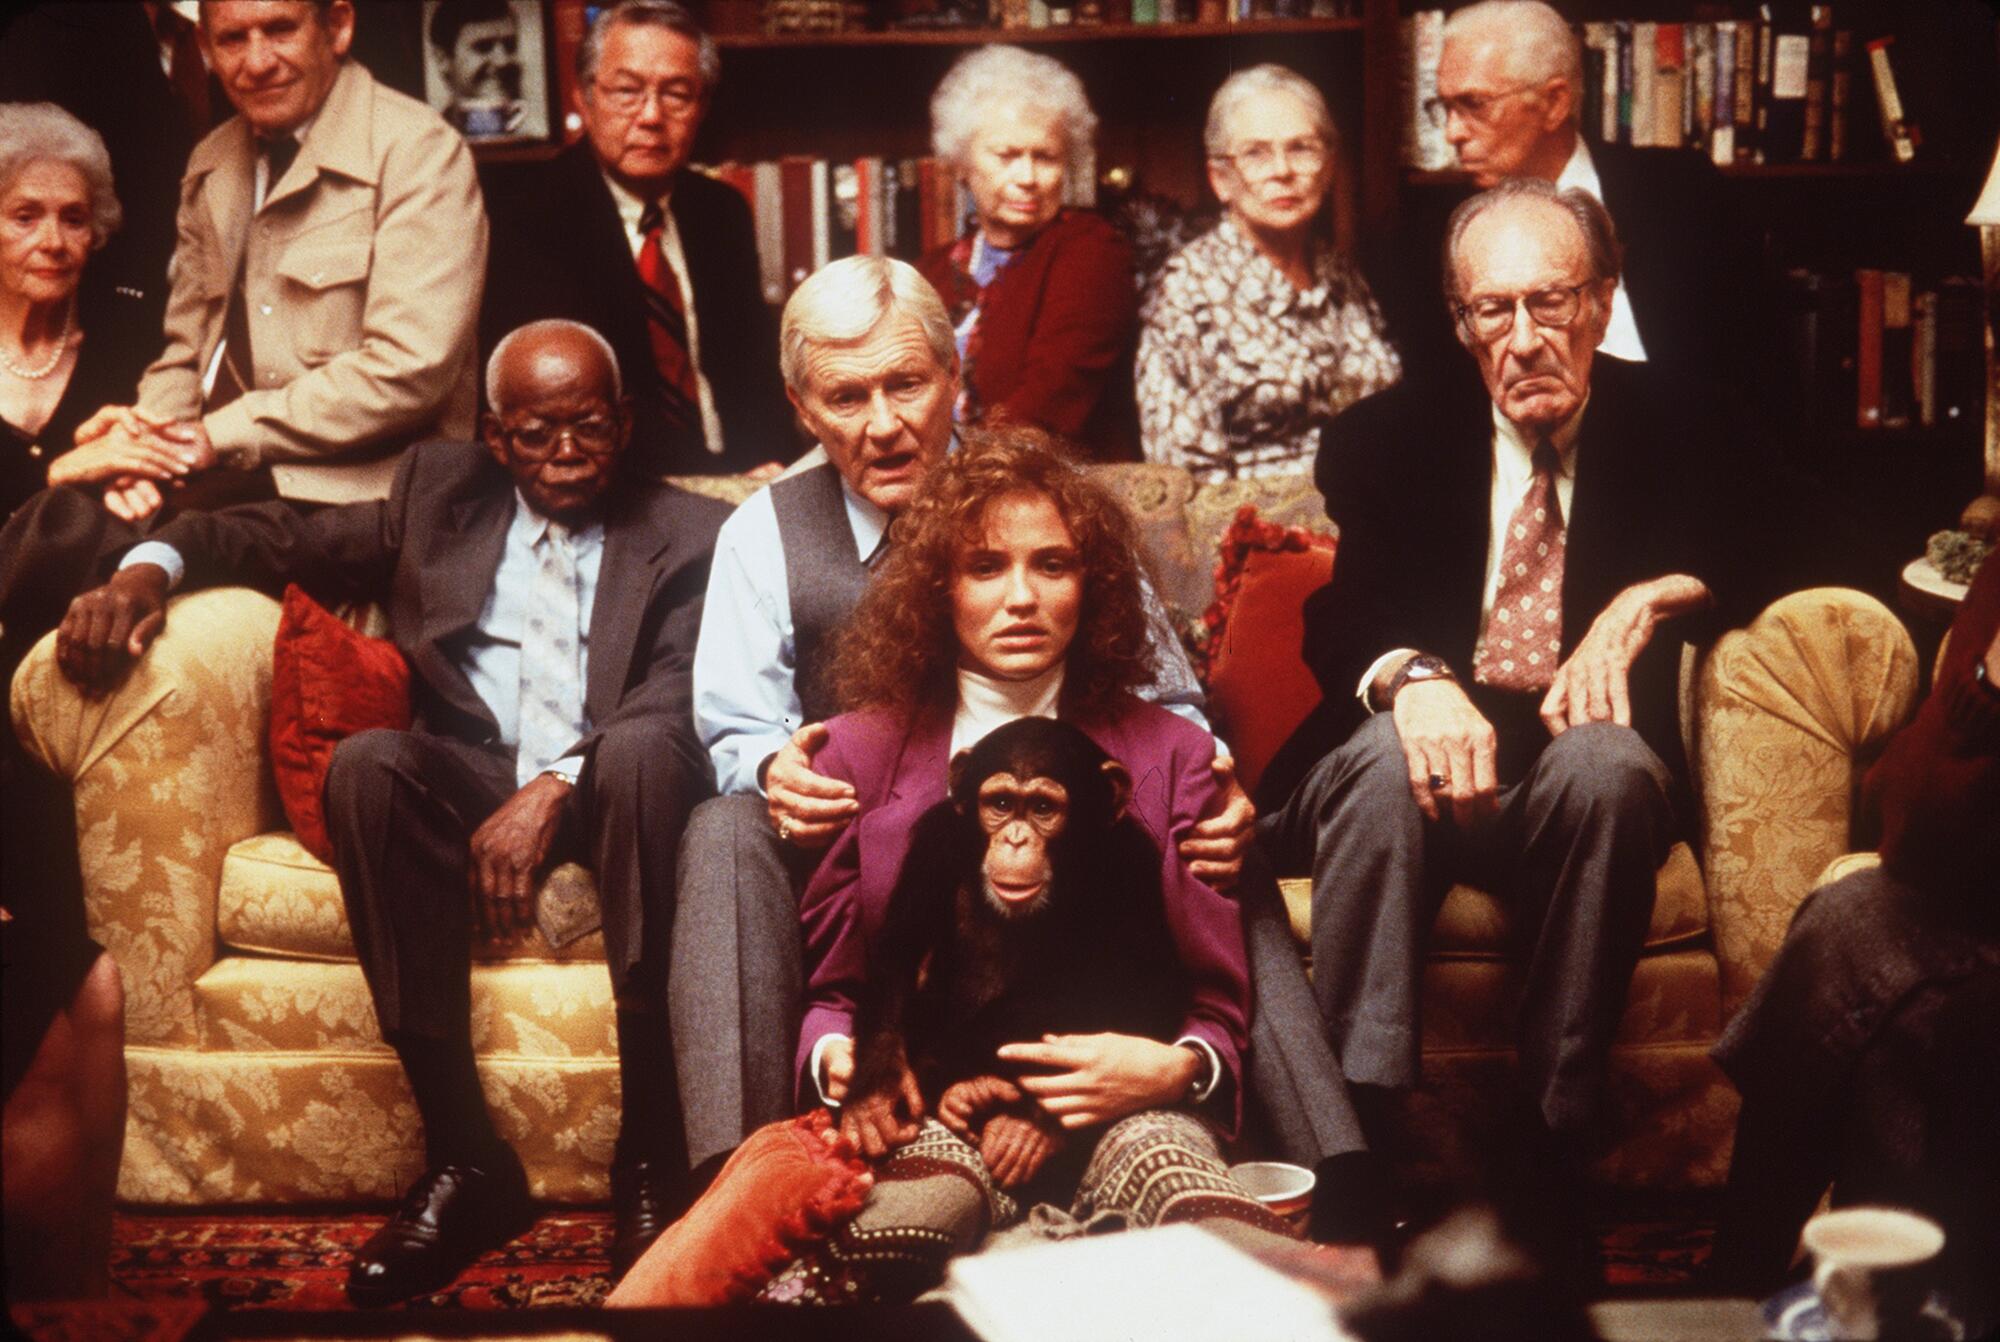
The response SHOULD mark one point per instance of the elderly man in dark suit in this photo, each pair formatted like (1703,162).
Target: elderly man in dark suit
(616,232)
(1493,651)
(1509,93)
(547,604)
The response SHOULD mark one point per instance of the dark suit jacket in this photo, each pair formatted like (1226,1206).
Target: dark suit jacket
(1407,477)
(559,250)
(430,551)
(1690,271)
(1056,334)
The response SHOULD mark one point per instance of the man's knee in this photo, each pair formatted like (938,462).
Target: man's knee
(1370,760)
(364,768)
(644,761)
(1602,765)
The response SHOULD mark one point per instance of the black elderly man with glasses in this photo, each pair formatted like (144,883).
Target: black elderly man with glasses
(617,233)
(1499,674)
(547,599)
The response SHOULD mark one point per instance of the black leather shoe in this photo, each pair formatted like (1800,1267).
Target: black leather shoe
(646,1197)
(450,1216)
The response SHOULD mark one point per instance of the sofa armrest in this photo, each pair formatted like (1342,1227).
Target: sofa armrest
(1788,710)
(169,771)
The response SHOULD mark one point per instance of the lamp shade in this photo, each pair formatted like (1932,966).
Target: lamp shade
(1986,210)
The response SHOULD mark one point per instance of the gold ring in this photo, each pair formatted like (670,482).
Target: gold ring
(785,829)
(1438,781)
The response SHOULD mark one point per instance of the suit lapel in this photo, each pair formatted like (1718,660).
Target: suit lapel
(230,188)
(636,540)
(458,571)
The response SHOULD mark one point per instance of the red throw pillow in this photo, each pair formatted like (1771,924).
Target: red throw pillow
(783,1191)
(327,683)
(1259,686)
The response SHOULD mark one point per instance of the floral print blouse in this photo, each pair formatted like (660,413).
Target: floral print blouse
(1236,364)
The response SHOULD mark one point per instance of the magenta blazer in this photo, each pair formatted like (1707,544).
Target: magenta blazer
(900,770)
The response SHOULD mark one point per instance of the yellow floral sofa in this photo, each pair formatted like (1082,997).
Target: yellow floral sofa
(257,1073)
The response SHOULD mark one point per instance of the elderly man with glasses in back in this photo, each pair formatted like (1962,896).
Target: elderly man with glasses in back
(1519,562)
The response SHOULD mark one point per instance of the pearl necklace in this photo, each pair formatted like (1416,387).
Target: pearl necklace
(62,348)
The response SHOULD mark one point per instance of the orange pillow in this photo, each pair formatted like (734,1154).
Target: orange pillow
(327,683)
(1259,686)
(783,1191)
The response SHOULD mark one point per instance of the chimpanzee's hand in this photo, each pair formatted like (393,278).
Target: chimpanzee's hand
(1214,848)
(1015,1148)
(965,1104)
(882,1120)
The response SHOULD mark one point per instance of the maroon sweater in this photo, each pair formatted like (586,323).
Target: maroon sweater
(1056,334)
(1938,786)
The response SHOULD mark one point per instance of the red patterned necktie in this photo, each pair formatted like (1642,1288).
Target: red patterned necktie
(1522,642)
(666,322)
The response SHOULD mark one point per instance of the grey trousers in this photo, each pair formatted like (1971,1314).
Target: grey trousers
(736,989)
(1573,850)
(736,978)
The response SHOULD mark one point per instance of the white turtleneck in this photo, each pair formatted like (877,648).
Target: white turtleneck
(985,702)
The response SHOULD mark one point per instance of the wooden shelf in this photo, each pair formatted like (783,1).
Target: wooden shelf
(1873,170)
(1098,32)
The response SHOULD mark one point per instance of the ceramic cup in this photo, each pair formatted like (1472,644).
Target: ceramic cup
(1871,1269)
(1286,1189)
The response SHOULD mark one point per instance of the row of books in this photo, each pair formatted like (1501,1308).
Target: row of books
(1871,348)
(1788,85)
(820,16)
(809,211)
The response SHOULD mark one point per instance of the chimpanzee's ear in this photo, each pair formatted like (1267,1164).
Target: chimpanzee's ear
(957,773)
(1120,783)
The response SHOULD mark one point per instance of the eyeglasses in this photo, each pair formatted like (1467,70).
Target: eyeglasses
(535,439)
(1470,106)
(677,99)
(1493,317)
(1263,158)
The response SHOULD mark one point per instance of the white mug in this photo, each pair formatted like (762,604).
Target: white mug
(1871,1268)
(1285,1189)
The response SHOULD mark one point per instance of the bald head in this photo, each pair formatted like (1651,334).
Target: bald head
(559,424)
(1511,80)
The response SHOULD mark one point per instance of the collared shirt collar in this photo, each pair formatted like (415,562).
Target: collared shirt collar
(1580,171)
(532,526)
(1267,288)
(632,207)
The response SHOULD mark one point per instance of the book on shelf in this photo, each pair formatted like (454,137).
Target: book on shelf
(1819,82)
(1898,347)
(1874,349)
(1424,145)
(1897,129)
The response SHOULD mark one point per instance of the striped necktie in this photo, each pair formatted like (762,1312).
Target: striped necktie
(666,323)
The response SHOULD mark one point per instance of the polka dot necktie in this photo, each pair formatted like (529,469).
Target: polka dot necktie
(1522,642)
(551,704)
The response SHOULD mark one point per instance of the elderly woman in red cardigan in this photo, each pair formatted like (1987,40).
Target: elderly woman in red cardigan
(1042,295)
(1011,589)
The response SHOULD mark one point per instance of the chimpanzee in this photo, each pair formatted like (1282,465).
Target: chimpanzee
(1029,904)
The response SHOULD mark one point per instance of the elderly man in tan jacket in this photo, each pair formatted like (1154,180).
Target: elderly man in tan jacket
(326,282)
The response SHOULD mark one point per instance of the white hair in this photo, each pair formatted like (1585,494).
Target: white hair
(44,133)
(1538,43)
(1003,76)
(1244,85)
(845,299)
(548,326)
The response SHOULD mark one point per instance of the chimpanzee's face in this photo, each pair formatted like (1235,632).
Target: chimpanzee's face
(1022,818)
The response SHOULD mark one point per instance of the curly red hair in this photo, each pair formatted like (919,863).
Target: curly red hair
(899,651)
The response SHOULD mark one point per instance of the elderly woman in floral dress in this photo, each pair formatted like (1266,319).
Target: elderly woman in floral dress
(1259,328)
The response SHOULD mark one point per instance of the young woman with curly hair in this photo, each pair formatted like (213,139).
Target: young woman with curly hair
(1012,588)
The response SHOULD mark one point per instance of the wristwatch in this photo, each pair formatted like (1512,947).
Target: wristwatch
(1204,1073)
(1423,666)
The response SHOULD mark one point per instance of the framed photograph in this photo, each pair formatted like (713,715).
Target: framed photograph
(486,68)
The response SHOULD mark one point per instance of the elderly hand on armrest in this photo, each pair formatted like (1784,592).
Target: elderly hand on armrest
(108,628)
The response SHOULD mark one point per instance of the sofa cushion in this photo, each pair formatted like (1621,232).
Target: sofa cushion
(782,1190)
(327,683)
(248,1003)
(278,899)
(1259,686)
(1155,497)
(1472,924)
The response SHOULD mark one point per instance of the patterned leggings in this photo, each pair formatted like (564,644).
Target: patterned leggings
(933,1199)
